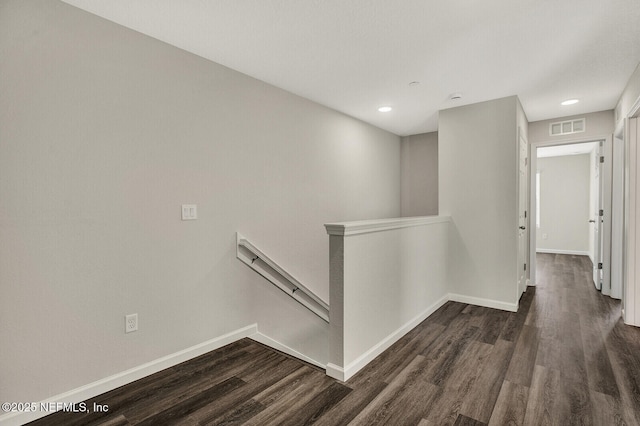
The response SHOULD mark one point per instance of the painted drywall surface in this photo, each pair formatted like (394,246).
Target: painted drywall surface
(597,124)
(336,310)
(390,277)
(419,175)
(478,177)
(104,133)
(629,96)
(564,204)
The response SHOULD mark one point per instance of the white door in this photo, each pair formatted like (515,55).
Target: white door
(522,215)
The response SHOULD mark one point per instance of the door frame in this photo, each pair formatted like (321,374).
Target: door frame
(619,204)
(525,221)
(533,165)
(631,285)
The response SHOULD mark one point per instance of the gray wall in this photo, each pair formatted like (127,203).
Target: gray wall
(564,204)
(597,124)
(419,174)
(478,178)
(626,103)
(628,97)
(104,133)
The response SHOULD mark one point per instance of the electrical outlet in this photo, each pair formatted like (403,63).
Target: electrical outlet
(130,323)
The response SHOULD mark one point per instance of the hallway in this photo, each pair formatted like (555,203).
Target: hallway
(587,364)
(564,358)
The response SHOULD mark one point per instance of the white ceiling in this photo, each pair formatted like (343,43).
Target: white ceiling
(356,55)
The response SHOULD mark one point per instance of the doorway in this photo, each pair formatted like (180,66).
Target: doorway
(568,200)
(587,230)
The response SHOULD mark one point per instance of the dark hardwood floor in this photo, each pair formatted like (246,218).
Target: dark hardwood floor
(565,358)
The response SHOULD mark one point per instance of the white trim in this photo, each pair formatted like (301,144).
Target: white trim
(343,374)
(632,206)
(128,376)
(559,251)
(268,341)
(547,143)
(368,226)
(487,303)
(336,372)
(635,108)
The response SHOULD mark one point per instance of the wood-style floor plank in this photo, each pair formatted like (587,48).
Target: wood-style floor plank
(597,362)
(543,397)
(511,405)
(484,392)
(564,358)
(467,421)
(575,403)
(279,367)
(345,411)
(524,356)
(393,399)
(609,410)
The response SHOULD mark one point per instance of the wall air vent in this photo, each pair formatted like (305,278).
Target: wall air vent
(567,127)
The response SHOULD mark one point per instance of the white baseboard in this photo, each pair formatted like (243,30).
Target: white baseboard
(487,303)
(266,340)
(558,251)
(343,374)
(336,372)
(112,382)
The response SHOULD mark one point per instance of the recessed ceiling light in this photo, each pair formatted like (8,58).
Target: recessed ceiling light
(570,102)
(385,109)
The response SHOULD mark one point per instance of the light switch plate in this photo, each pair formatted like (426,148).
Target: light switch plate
(189,212)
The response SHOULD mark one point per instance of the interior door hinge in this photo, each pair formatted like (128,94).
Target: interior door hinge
(601,212)
(525,214)
(599,265)
(525,266)
(602,159)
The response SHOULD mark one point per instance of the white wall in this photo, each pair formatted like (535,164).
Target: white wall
(104,133)
(478,178)
(564,204)
(386,277)
(419,174)
(625,107)
(629,96)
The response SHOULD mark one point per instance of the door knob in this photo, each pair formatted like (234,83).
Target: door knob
(522,227)
(592,221)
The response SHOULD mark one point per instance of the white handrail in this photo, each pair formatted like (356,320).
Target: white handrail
(262,264)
